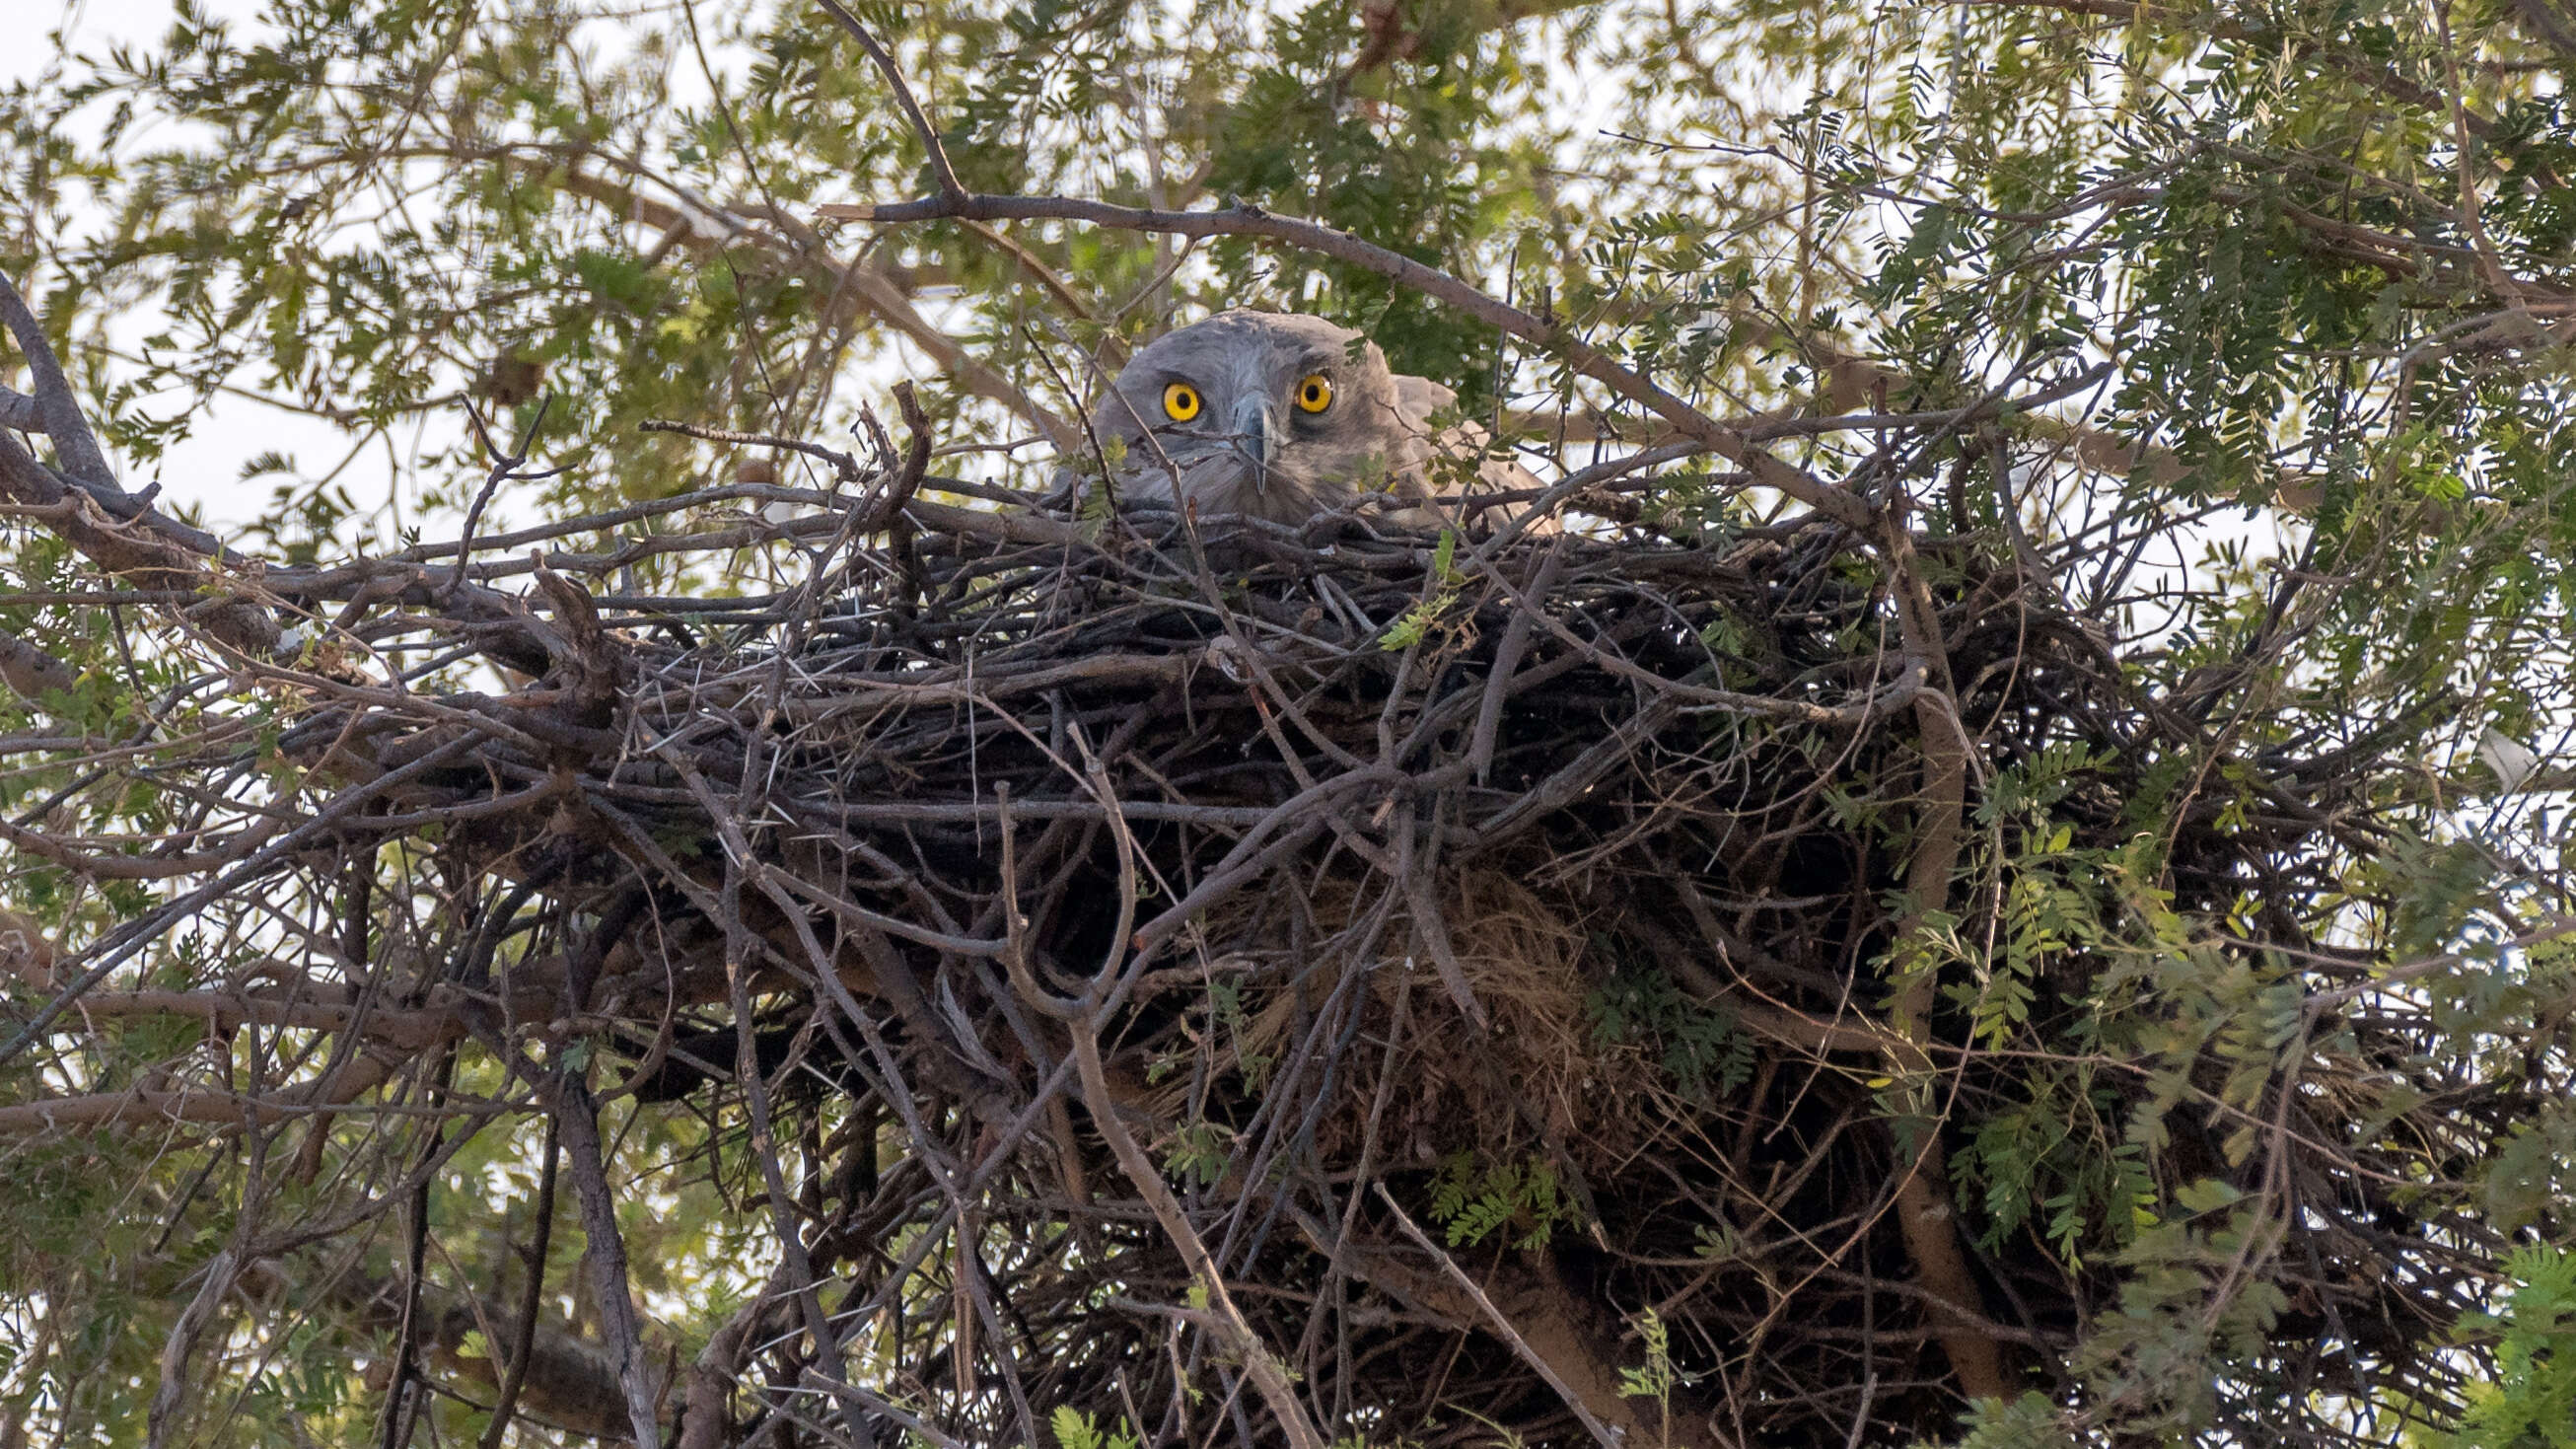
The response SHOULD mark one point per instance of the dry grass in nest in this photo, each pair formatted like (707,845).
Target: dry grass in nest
(1539,1069)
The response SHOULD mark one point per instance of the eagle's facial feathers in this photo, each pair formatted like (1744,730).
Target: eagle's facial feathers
(1272,414)
(1283,416)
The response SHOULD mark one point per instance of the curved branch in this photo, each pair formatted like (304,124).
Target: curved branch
(859,285)
(140,549)
(73,441)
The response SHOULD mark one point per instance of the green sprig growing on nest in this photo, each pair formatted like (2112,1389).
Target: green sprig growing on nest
(1440,591)
(1474,1201)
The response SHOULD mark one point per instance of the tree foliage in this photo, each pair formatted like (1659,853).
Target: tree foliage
(2071,943)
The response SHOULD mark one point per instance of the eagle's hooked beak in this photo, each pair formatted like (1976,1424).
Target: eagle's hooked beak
(1256,436)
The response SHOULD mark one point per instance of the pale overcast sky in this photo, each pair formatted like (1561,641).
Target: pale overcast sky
(95,24)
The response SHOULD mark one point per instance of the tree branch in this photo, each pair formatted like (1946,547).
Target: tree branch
(1259,1362)
(1500,1324)
(578,1115)
(867,288)
(941,173)
(2214,23)
(74,443)
(1251,221)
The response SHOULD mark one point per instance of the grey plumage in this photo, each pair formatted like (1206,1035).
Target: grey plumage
(1282,416)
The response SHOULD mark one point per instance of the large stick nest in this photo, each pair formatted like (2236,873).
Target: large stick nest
(1534,892)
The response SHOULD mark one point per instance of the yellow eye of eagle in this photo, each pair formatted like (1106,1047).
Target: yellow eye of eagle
(1180,402)
(1315,393)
